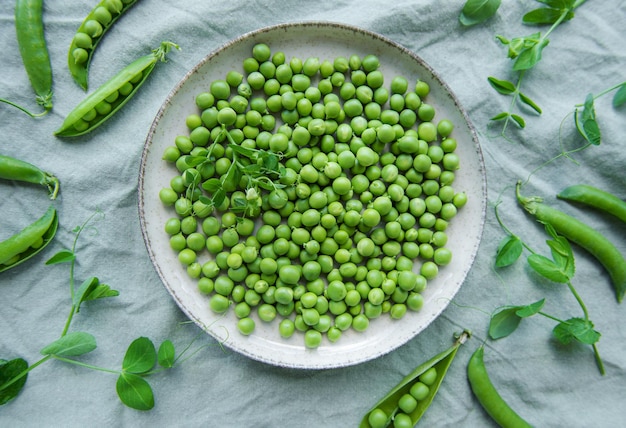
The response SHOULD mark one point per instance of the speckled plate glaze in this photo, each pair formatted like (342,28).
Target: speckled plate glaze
(326,41)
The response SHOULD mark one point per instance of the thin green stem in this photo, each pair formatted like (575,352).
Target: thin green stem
(85,365)
(24,373)
(19,107)
(513,102)
(604,92)
(550,317)
(599,361)
(579,300)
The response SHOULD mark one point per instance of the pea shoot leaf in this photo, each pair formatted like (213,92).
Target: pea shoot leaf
(526,100)
(134,391)
(547,15)
(92,289)
(519,120)
(140,356)
(530,310)
(509,251)
(547,268)
(585,121)
(576,329)
(166,355)
(529,57)
(477,11)
(212,185)
(506,320)
(63,256)
(10,370)
(619,98)
(71,345)
(502,86)
(501,116)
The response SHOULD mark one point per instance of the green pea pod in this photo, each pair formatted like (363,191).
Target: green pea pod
(33,48)
(16,169)
(390,403)
(583,235)
(29,241)
(595,198)
(91,31)
(100,105)
(488,396)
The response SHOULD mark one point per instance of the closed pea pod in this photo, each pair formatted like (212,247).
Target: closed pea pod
(18,170)
(488,396)
(596,198)
(584,236)
(422,384)
(29,241)
(112,95)
(91,31)
(34,50)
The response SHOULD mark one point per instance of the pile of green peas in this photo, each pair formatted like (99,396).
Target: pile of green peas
(362,194)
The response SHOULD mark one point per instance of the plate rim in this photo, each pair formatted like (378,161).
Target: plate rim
(339,26)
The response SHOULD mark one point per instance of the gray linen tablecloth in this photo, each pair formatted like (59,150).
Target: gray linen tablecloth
(550,384)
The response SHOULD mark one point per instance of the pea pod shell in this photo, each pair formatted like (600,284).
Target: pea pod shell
(143,65)
(80,71)
(16,169)
(583,235)
(33,48)
(21,243)
(389,403)
(488,396)
(596,198)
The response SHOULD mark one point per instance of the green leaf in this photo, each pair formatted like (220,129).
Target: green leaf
(477,11)
(530,310)
(620,96)
(528,58)
(212,185)
(192,161)
(167,354)
(502,86)
(504,322)
(509,250)
(92,289)
(501,116)
(10,370)
(585,121)
(529,102)
(546,16)
(563,255)
(547,268)
(558,4)
(134,391)
(63,256)
(219,197)
(140,356)
(592,132)
(576,329)
(519,120)
(244,151)
(71,345)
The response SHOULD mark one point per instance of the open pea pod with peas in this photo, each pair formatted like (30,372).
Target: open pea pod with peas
(407,402)
(29,241)
(111,96)
(91,31)
(19,170)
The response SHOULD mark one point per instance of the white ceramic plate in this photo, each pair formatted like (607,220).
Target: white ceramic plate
(325,41)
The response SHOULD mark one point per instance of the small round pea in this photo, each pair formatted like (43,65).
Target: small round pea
(312,338)
(419,390)
(246,326)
